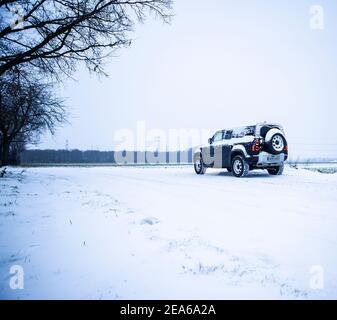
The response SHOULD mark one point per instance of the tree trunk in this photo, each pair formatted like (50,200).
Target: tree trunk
(4,157)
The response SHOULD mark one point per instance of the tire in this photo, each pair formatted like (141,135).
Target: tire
(199,166)
(240,167)
(276,171)
(229,169)
(276,144)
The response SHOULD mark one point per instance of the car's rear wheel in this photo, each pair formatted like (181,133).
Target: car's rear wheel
(199,166)
(276,171)
(240,168)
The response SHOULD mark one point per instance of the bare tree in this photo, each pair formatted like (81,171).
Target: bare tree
(27,108)
(53,35)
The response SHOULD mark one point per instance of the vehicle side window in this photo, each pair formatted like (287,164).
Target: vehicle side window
(250,131)
(217,137)
(243,131)
(238,133)
(228,134)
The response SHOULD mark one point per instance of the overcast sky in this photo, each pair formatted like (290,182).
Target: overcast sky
(218,64)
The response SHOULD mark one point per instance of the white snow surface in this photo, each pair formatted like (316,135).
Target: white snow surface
(166,233)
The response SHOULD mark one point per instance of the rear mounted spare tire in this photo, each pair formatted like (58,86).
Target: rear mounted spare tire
(275,141)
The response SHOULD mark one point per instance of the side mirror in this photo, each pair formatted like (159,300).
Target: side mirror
(210,140)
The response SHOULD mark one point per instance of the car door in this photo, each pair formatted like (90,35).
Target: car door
(226,149)
(209,152)
(217,152)
(222,150)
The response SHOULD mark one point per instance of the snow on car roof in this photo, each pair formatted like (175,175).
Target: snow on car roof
(259,124)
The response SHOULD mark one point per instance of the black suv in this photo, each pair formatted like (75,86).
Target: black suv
(261,146)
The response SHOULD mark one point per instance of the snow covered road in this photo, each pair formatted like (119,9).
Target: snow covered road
(155,232)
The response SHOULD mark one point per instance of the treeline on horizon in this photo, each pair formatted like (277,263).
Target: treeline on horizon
(46,156)
(75,156)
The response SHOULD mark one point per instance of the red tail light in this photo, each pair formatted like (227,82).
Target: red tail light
(285,148)
(256,146)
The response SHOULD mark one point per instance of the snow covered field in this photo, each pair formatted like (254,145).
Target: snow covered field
(130,233)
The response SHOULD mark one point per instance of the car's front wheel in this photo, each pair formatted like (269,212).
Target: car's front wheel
(199,166)
(240,167)
(276,171)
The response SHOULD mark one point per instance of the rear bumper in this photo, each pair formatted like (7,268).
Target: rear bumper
(265,159)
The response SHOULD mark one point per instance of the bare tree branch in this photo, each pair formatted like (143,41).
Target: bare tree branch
(54,34)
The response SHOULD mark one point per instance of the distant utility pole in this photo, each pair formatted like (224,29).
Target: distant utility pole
(67,145)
